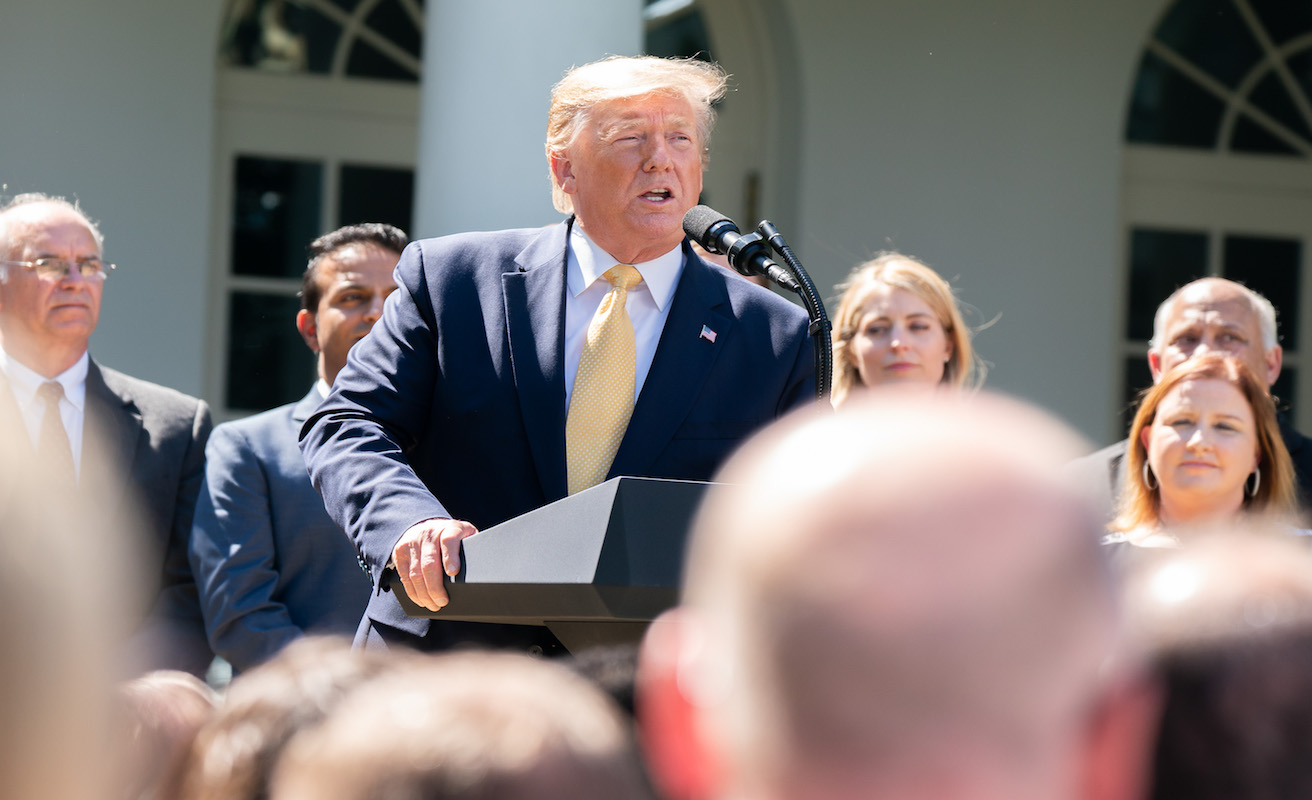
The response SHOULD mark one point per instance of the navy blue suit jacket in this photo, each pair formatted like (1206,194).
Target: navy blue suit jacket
(270,564)
(454,405)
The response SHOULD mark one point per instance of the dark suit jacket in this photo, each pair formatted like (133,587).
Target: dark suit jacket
(144,446)
(454,405)
(1102,473)
(270,564)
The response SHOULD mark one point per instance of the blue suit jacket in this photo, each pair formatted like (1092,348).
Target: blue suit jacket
(454,405)
(269,563)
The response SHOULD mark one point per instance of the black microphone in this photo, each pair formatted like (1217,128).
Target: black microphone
(747,254)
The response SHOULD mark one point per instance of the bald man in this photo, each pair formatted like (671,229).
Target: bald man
(1208,315)
(896,600)
(1228,626)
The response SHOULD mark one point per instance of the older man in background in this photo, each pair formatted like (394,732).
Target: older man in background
(270,564)
(901,600)
(1209,315)
(92,428)
(513,368)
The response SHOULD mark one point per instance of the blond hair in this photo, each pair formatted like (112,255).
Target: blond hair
(900,271)
(618,77)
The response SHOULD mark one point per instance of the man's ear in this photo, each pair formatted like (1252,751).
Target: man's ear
(1275,357)
(1155,364)
(309,329)
(563,170)
(683,764)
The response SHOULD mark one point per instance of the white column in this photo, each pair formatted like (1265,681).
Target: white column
(488,71)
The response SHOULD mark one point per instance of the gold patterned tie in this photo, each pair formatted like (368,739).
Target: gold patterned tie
(54,453)
(602,402)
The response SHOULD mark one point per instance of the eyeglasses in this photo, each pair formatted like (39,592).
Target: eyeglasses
(93,269)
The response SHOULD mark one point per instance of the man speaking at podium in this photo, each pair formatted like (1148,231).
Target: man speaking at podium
(513,368)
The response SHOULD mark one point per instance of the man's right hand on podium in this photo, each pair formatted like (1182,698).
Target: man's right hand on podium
(427,551)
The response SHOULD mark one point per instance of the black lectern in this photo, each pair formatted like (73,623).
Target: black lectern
(595,568)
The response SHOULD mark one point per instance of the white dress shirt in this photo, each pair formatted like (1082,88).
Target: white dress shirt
(648,303)
(23,382)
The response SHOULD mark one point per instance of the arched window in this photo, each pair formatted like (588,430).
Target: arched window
(317,119)
(1218,179)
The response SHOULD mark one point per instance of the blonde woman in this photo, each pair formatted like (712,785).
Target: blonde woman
(898,324)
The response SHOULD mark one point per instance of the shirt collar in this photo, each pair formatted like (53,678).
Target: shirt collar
(660,275)
(24,381)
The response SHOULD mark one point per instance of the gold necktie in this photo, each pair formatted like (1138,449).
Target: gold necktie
(54,453)
(602,402)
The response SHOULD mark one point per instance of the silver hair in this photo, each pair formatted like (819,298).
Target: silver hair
(32,198)
(1266,315)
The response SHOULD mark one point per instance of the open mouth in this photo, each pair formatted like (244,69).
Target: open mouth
(657,195)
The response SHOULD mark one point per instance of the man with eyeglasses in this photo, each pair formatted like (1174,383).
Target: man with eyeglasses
(92,428)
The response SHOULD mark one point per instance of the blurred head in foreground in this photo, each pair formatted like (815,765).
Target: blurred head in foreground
(232,757)
(65,605)
(473,726)
(895,600)
(158,716)
(1227,623)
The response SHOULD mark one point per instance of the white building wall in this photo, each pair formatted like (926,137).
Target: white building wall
(488,72)
(983,137)
(112,102)
(986,139)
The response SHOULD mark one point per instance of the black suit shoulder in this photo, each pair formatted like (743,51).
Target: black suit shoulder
(1099,474)
(157,403)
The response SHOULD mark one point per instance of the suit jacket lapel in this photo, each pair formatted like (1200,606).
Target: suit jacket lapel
(112,426)
(535,323)
(683,361)
(306,406)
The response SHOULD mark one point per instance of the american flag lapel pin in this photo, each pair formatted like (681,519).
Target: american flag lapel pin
(708,334)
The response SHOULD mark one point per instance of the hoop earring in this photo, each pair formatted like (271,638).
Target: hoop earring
(1146,476)
(1257,481)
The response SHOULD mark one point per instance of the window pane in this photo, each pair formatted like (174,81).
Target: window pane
(1212,36)
(268,362)
(276,215)
(1168,108)
(1269,267)
(683,36)
(1137,377)
(1272,98)
(1249,137)
(278,37)
(1300,64)
(392,22)
(1160,263)
(376,194)
(1282,19)
(1286,396)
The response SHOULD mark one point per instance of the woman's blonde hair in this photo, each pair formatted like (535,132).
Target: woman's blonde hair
(902,272)
(1140,505)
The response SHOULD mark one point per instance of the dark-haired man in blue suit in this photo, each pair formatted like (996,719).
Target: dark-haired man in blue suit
(269,563)
(463,408)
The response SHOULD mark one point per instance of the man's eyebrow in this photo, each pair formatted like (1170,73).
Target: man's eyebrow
(44,254)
